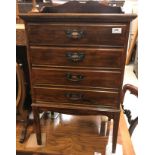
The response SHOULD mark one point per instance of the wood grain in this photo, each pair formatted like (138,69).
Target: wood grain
(76,96)
(124,137)
(93,34)
(20,37)
(106,58)
(76,77)
(74,132)
(69,135)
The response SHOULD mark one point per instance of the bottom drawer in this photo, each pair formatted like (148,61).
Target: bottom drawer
(76,96)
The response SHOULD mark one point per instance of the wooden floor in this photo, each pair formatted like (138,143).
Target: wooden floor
(73,135)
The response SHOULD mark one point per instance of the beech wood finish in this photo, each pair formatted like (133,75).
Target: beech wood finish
(65,53)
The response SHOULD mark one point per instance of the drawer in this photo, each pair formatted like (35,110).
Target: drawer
(76,96)
(78,77)
(77,57)
(77,34)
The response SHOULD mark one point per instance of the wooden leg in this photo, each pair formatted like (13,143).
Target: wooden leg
(115,131)
(133,125)
(24,131)
(104,121)
(37,125)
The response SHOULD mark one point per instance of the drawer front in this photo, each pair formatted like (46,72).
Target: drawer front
(77,57)
(76,96)
(77,34)
(89,78)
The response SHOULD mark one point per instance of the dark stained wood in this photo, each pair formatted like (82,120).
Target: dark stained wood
(76,77)
(21,113)
(78,109)
(74,96)
(107,58)
(78,17)
(50,90)
(21,58)
(115,131)
(133,122)
(37,124)
(76,34)
(21,89)
(77,7)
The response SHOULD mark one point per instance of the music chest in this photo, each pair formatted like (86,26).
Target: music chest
(76,63)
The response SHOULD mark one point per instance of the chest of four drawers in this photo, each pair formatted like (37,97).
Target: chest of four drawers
(76,63)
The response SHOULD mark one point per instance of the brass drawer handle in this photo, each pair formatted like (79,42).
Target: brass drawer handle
(74,96)
(74,34)
(75,56)
(74,78)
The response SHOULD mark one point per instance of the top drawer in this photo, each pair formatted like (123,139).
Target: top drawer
(77,34)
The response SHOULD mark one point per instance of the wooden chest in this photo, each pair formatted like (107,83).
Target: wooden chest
(76,63)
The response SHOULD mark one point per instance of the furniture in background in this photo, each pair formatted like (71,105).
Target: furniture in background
(135,68)
(22,114)
(133,40)
(132,122)
(26,6)
(23,100)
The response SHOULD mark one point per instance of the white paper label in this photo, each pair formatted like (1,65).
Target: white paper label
(117,30)
(97,153)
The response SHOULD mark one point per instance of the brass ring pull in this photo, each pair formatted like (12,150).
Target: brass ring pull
(74,78)
(75,56)
(74,96)
(74,34)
